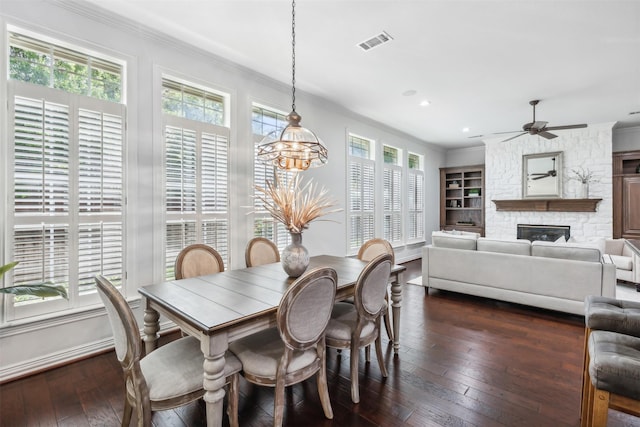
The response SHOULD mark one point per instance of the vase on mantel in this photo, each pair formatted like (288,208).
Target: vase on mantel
(584,190)
(295,257)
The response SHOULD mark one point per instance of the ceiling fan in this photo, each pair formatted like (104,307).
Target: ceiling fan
(552,173)
(540,127)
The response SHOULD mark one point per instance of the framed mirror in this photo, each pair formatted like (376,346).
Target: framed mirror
(542,175)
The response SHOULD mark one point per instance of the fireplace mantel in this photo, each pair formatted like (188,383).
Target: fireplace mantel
(547,205)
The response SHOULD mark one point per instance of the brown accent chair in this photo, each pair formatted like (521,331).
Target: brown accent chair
(166,378)
(197,260)
(295,349)
(261,251)
(357,325)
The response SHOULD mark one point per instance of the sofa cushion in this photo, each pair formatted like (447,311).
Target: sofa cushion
(622,262)
(573,251)
(515,247)
(443,239)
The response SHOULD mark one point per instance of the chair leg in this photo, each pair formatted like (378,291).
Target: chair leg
(600,408)
(278,404)
(323,388)
(128,411)
(387,323)
(586,380)
(355,355)
(383,367)
(367,354)
(232,408)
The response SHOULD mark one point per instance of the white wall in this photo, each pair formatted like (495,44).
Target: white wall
(37,344)
(587,148)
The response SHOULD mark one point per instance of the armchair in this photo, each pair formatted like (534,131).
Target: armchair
(626,260)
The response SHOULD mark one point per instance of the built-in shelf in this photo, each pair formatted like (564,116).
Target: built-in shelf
(544,205)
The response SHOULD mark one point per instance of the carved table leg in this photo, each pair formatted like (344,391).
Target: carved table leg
(213,349)
(151,328)
(396,299)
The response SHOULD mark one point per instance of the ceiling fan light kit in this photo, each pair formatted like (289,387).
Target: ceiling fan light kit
(539,127)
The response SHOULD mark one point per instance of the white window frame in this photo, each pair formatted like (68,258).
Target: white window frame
(195,219)
(415,214)
(365,167)
(393,189)
(73,218)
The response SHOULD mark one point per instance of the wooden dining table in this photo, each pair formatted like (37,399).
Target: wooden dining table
(223,307)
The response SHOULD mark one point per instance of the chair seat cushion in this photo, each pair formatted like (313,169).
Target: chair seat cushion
(622,262)
(176,369)
(610,314)
(343,321)
(615,363)
(260,354)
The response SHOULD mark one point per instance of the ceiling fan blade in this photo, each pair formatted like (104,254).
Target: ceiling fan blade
(540,177)
(538,125)
(514,137)
(566,127)
(546,134)
(502,133)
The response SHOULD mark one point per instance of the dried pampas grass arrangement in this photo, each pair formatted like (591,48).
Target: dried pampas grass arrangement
(293,204)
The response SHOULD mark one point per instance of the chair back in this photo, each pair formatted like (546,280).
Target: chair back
(198,260)
(126,333)
(261,251)
(371,286)
(305,308)
(374,247)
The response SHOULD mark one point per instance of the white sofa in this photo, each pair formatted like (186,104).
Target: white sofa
(627,261)
(540,274)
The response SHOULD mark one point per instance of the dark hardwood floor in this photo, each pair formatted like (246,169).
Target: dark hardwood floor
(464,361)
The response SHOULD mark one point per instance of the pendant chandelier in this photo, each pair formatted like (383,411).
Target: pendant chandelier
(295,148)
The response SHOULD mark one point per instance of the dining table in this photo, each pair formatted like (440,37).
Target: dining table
(220,308)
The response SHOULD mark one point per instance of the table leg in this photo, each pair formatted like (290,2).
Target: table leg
(396,299)
(151,328)
(213,349)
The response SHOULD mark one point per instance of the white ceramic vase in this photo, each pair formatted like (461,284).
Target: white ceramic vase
(295,257)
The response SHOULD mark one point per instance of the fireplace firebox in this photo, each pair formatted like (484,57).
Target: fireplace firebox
(547,233)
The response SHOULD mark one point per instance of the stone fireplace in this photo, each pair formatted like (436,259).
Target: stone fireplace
(588,148)
(547,233)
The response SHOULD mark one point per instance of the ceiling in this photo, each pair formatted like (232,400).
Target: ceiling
(477,62)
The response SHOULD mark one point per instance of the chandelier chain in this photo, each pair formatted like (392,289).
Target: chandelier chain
(293,55)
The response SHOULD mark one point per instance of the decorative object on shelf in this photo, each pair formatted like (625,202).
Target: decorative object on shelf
(295,206)
(584,177)
(297,148)
(454,184)
(474,192)
(638,168)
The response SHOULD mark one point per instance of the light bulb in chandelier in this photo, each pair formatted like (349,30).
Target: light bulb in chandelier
(295,148)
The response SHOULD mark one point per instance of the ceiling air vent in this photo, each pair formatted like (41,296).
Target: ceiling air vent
(381,38)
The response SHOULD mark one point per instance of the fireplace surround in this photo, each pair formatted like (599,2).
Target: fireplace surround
(547,233)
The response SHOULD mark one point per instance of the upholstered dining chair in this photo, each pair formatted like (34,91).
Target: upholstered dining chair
(166,378)
(295,349)
(261,251)
(357,325)
(197,260)
(368,251)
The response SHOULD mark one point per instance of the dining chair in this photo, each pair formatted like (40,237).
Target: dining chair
(295,349)
(368,251)
(166,378)
(261,251)
(357,325)
(197,260)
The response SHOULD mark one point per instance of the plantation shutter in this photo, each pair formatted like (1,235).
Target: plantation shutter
(416,205)
(392,193)
(361,202)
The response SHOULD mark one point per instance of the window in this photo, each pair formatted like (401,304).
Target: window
(265,120)
(196,171)
(415,199)
(392,195)
(65,173)
(361,192)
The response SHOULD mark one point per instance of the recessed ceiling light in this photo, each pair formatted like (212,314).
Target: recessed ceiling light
(465,129)
(425,103)
(409,92)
